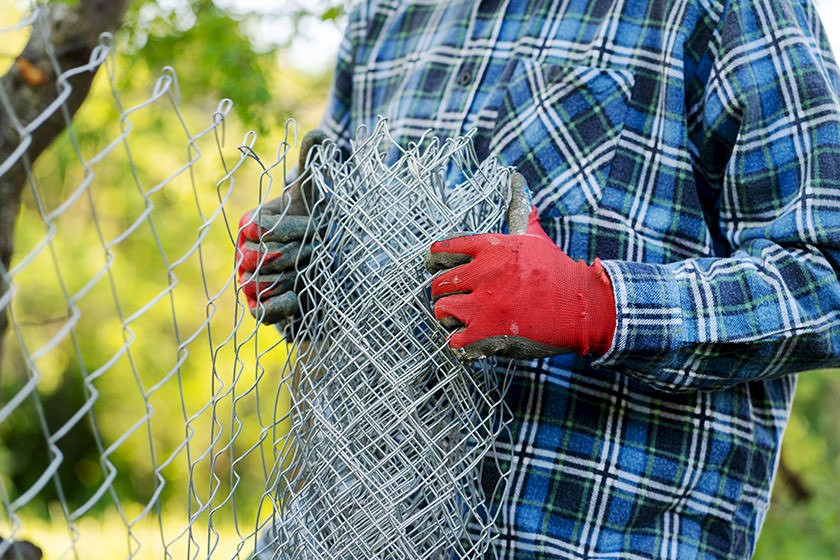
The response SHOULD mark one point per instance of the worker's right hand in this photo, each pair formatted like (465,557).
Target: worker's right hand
(274,242)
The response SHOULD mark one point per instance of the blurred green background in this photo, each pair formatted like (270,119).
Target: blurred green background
(152,394)
(273,60)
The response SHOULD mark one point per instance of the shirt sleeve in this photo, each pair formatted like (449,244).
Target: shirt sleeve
(766,134)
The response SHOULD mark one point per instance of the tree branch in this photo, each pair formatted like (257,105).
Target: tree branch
(63,37)
(794,482)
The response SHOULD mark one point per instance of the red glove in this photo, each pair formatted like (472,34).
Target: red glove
(268,247)
(520,296)
(274,241)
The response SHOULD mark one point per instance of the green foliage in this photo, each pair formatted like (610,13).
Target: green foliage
(326,10)
(805,525)
(226,54)
(22,463)
(332,13)
(211,44)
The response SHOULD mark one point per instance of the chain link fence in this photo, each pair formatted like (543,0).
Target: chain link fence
(142,412)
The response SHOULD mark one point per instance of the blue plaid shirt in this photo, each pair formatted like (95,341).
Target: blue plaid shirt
(692,145)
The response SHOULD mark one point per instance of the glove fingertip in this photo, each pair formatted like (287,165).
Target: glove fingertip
(250,301)
(464,351)
(442,260)
(451,307)
(277,308)
(245,218)
(248,286)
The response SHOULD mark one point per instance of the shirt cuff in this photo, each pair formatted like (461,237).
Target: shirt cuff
(649,328)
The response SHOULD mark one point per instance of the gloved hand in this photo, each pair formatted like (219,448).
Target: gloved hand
(273,241)
(520,296)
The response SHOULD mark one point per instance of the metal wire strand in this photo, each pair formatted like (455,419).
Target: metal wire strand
(389,431)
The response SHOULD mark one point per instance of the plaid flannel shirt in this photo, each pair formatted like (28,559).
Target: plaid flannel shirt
(692,145)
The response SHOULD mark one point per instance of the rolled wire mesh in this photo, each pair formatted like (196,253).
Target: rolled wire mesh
(144,415)
(389,432)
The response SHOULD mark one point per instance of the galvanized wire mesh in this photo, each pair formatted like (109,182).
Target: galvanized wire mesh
(143,413)
(388,430)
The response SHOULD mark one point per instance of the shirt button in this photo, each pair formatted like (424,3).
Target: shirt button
(465,78)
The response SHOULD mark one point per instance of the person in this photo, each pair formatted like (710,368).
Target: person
(679,270)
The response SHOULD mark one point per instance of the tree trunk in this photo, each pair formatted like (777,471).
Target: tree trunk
(63,37)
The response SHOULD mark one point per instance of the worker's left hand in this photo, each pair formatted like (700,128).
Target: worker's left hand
(270,246)
(520,296)
(274,242)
